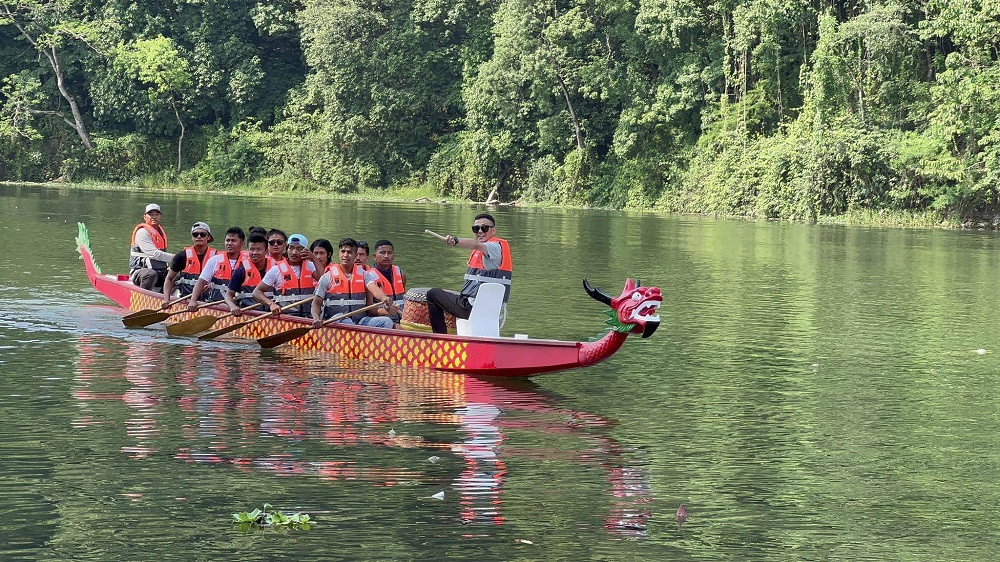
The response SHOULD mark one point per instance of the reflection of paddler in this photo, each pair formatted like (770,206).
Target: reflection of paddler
(490,262)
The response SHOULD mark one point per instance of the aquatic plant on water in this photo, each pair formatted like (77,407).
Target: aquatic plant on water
(268,519)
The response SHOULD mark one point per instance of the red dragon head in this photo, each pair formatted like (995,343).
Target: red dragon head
(634,311)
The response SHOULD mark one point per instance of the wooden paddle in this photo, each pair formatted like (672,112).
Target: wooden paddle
(149,311)
(238,325)
(147,319)
(435,234)
(296,333)
(192,326)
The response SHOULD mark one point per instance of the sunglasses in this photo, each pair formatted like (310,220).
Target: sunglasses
(275,242)
(476,229)
(199,235)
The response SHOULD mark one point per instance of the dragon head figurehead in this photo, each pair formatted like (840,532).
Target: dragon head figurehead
(634,311)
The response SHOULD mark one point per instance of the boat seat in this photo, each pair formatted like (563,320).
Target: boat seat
(484,320)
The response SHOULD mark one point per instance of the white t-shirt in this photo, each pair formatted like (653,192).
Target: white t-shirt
(274,279)
(212,263)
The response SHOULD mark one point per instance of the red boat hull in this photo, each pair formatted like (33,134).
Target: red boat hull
(503,357)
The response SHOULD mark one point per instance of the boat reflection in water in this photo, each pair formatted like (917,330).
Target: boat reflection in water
(296,414)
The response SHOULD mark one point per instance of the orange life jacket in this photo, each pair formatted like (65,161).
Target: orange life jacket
(476,274)
(192,269)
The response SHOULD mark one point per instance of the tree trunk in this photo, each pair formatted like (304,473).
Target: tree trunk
(491,198)
(180,139)
(53,57)
(81,128)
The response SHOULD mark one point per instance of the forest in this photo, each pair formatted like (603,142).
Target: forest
(759,108)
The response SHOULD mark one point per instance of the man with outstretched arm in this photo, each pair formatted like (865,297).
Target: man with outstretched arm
(489,262)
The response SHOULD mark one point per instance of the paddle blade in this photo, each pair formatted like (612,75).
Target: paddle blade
(192,326)
(145,312)
(145,319)
(284,337)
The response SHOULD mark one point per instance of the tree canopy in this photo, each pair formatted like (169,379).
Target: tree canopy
(762,108)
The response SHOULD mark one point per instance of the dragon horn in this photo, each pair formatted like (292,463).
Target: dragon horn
(596,293)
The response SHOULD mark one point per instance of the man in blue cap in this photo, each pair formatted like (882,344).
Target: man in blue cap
(291,279)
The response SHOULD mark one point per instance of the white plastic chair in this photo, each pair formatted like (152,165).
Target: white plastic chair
(484,320)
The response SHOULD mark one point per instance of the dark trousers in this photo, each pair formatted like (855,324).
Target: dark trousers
(438,301)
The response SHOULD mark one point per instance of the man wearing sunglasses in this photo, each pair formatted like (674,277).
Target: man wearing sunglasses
(187,264)
(277,242)
(214,278)
(489,262)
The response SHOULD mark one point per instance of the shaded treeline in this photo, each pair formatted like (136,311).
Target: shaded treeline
(768,108)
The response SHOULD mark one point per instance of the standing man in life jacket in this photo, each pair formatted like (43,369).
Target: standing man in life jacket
(387,279)
(148,259)
(489,262)
(342,289)
(219,269)
(188,263)
(248,274)
(291,279)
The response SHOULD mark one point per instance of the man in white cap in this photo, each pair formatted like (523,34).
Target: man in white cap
(187,264)
(148,259)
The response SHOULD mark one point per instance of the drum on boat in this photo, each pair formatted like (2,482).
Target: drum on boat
(415,313)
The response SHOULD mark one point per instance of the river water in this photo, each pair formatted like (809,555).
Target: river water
(813,392)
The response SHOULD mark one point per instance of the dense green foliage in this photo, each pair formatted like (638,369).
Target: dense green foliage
(765,108)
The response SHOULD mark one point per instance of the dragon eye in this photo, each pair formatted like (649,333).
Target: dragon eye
(636,296)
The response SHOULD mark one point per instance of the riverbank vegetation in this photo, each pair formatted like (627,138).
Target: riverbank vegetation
(758,108)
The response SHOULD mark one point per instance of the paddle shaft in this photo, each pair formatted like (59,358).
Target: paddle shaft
(147,319)
(435,234)
(149,311)
(333,319)
(239,325)
(296,333)
(197,324)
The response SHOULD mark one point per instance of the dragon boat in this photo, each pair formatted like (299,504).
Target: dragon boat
(634,311)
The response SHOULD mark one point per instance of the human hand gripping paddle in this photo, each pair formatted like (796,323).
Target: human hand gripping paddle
(147,319)
(149,311)
(238,325)
(192,326)
(296,333)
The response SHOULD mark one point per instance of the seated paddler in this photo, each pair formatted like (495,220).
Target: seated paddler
(386,278)
(291,279)
(214,278)
(342,289)
(248,274)
(489,262)
(188,263)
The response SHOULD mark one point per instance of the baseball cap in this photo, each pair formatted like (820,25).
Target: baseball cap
(152,207)
(298,239)
(203,226)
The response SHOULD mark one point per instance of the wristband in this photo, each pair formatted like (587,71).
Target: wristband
(456,240)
